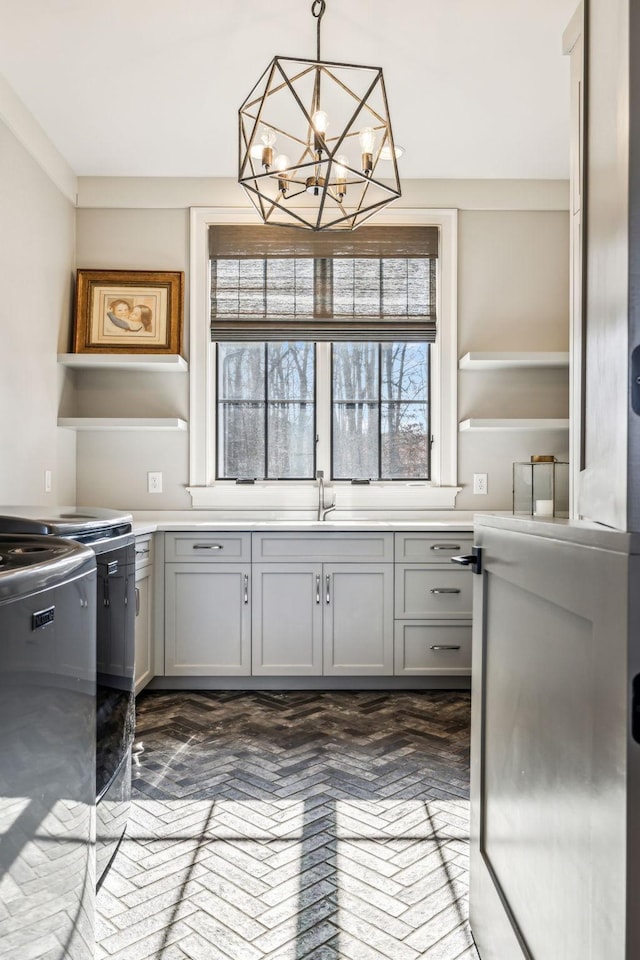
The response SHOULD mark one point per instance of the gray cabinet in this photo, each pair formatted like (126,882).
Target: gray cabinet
(207,619)
(555,759)
(289,603)
(433,603)
(317,615)
(144,612)
(287,619)
(358,618)
(207,604)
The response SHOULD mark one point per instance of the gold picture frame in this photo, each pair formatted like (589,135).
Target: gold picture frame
(128,311)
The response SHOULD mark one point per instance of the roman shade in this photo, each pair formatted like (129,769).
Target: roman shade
(275,283)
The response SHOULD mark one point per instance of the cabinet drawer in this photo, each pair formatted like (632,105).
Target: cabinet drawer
(144,551)
(441,590)
(432,648)
(332,547)
(208,547)
(431,547)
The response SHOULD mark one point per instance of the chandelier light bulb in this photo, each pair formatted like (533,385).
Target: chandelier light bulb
(367,143)
(386,154)
(268,138)
(320,121)
(341,174)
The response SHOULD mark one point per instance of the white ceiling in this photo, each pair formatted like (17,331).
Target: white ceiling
(477,88)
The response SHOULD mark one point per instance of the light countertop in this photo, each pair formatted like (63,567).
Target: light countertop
(437,521)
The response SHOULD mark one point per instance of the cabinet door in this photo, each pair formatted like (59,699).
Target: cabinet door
(358,618)
(287,619)
(144,670)
(207,619)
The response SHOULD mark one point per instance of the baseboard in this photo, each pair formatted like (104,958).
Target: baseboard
(311,683)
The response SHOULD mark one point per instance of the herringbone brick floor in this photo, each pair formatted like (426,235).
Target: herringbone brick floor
(287,826)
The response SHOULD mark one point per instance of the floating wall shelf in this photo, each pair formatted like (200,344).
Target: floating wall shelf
(512,361)
(122,423)
(512,424)
(140,362)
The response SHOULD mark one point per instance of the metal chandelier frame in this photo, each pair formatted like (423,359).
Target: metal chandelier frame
(321,189)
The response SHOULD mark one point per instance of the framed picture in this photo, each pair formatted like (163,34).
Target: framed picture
(128,311)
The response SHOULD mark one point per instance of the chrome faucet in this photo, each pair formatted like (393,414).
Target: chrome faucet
(323,509)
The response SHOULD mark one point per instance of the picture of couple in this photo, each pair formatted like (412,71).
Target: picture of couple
(128,311)
(131,316)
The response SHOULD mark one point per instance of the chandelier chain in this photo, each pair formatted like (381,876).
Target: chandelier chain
(318,8)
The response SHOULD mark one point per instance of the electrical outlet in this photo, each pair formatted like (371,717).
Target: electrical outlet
(47,481)
(154,482)
(480,483)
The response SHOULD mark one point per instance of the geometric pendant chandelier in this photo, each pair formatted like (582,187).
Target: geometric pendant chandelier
(316,143)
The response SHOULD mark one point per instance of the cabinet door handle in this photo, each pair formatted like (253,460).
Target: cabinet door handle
(446,546)
(208,546)
(137,601)
(328,585)
(473,559)
(246,588)
(317,588)
(439,590)
(445,646)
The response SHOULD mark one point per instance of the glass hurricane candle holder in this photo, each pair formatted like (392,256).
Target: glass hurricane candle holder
(541,488)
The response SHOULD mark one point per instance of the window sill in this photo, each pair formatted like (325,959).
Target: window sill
(302,497)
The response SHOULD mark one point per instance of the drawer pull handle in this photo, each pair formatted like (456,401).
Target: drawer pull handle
(328,582)
(208,546)
(142,553)
(439,590)
(137,602)
(317,588)
(445,646)
(246,588)
(446,546)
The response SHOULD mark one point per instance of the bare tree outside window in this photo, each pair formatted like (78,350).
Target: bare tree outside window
(380,410)
(266,410)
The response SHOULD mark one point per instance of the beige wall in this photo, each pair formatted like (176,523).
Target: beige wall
(513,295)
(112,467)
(37,239)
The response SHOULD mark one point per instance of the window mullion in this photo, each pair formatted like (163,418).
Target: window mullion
(324,411)
(266,410)
(379,477)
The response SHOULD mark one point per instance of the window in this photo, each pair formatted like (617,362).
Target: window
(266,410)
(380,411)
(327,351)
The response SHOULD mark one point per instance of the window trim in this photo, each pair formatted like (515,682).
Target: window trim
(438,493)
